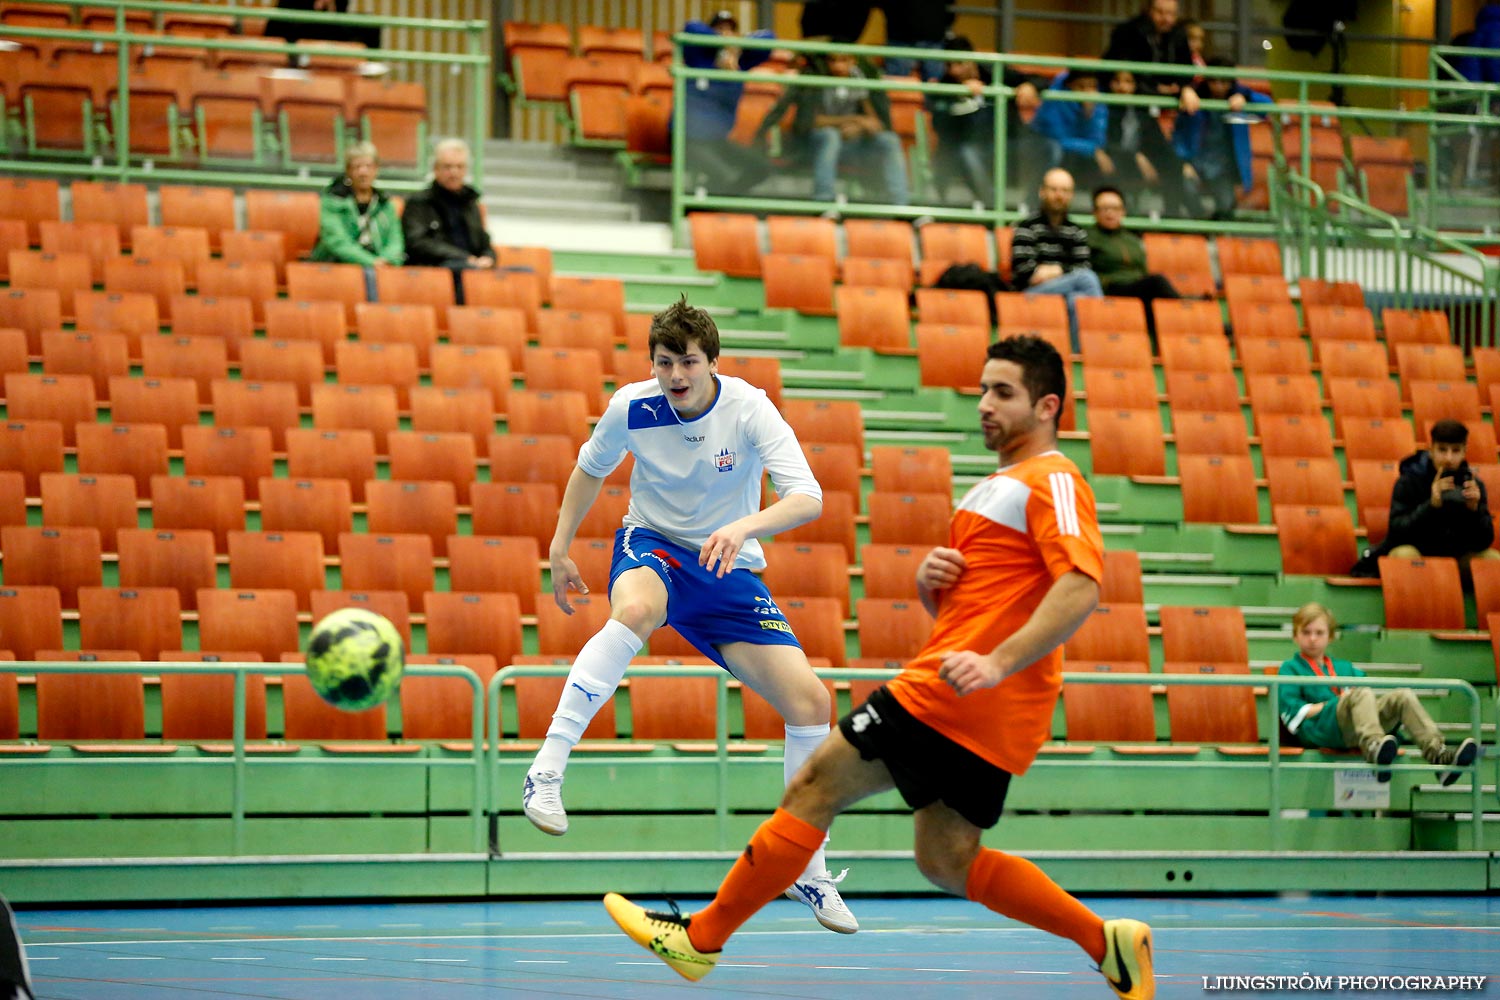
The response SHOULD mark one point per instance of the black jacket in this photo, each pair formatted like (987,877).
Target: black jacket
(1450,530)
(428,238)
(1136,40)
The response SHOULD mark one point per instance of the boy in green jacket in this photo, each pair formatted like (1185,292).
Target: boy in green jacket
(1363,717)
(358,223)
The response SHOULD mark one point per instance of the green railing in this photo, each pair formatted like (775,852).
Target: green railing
(240,759)
(1460,154)
(1300,108)
(484,758)
(126,166)
(1338,237)
(1270,724)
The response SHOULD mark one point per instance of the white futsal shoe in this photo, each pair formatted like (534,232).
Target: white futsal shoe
(821,894)
(541,798)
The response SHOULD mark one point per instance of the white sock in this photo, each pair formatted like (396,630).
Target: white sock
(596,673)
(801,741)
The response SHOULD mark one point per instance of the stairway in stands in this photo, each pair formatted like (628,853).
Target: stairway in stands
(565,197)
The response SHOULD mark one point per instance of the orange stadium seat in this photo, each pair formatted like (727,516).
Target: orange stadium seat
(105,501)
(874,317)
(1218,489)
(728,242)
(1315,540)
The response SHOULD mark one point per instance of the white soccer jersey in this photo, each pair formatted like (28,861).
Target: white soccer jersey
(692,477)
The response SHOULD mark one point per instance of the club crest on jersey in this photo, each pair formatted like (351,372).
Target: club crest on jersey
(724,461)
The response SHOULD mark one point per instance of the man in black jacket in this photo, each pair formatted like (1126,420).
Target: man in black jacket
(1438,506)
(1156,36)
(442,224)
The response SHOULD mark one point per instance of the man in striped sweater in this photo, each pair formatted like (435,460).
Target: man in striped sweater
(1050,254)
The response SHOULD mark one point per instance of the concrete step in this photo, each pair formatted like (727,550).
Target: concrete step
(553,188)
(594,236)
(521,149)
(556,208)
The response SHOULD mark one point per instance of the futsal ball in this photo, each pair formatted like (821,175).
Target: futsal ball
(355,659)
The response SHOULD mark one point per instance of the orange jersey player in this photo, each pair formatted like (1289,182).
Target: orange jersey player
(1020,574)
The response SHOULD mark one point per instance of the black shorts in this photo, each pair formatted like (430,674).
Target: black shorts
(926,765)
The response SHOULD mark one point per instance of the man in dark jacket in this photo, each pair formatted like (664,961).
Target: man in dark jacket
(442,224)
(1118,256)
(1438,506)
(1050,253)
(1156,36)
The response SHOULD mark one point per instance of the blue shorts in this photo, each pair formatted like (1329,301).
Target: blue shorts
(707,610)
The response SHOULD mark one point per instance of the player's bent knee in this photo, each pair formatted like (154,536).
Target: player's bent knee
(640,616)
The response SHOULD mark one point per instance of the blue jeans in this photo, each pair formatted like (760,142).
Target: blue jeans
(829,148)
(932,69)
(1081,282)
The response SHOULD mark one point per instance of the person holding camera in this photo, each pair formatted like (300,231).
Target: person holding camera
(1438,506)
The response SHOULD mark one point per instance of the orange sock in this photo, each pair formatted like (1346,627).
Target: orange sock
(776,855)
(1014,887)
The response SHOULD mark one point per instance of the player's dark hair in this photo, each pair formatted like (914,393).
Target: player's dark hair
(679,325)
(1449,432)
(1042,371)
(1076,77)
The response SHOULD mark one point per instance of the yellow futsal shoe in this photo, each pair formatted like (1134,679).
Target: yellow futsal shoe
(1127,959)
(665,936)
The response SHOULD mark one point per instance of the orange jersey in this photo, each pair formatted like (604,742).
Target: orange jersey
(1019,530)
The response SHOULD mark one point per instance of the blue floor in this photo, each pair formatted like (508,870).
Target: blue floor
(910,949)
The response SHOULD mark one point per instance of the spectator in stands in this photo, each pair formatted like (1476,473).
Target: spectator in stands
(1216,144)
(919,24)
(1485,35)
(358,223)
(1156,36)
(965,124)
(1118,256)
(835,20)
(1197,42)
(1137,154)
(1360,717)
(843,124)
(1077,129)
(1050,254)
(1438,506)
(727,166)
(297,31)
(442,224)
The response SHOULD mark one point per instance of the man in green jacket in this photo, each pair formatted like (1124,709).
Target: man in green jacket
(1118,256)
(1364,717)
(358,224)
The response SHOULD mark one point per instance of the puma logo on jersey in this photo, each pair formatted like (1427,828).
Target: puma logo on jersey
(648,408)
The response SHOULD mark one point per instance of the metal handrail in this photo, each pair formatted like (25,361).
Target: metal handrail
(1302,109)
(238,759)
(124,39)
(721,798)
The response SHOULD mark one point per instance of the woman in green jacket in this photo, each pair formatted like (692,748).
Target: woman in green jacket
(1355,716)
(358,224)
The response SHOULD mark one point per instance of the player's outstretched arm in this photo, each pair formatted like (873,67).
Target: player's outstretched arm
(1067,604)
(583,489)
(723,546)
(940,570)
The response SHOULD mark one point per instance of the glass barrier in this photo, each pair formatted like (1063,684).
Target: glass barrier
(813,128)
(175,92)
